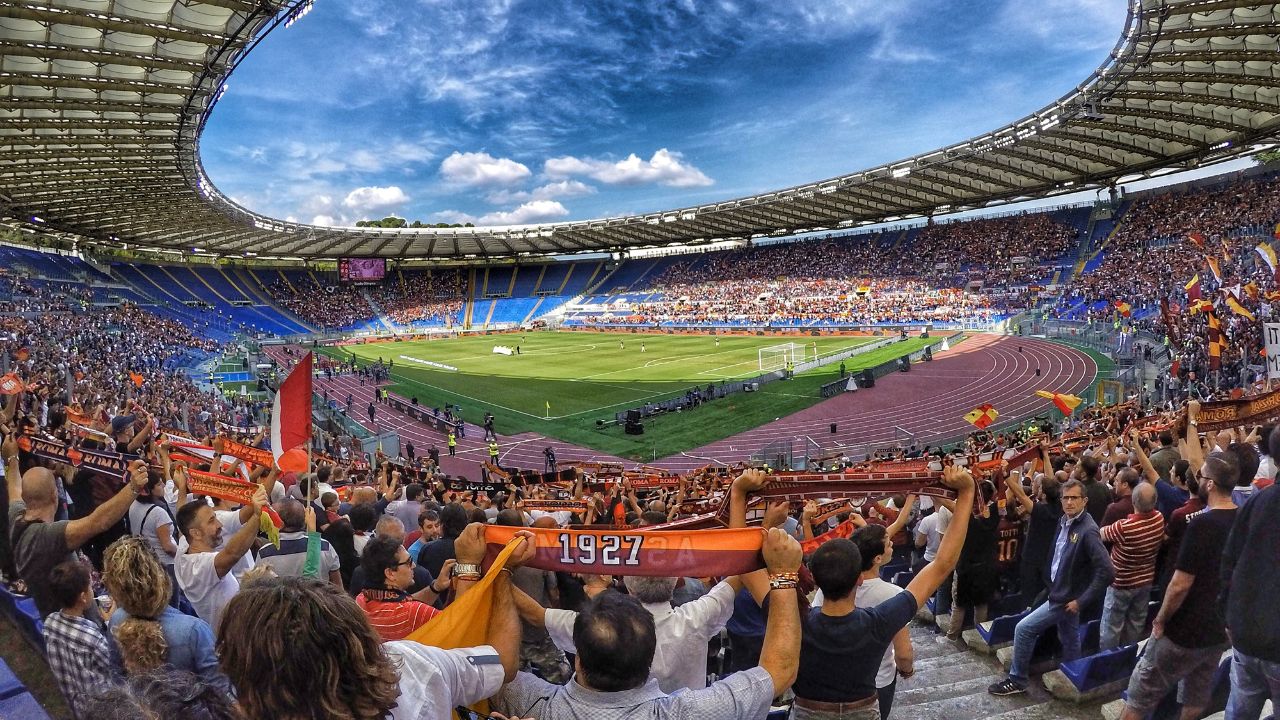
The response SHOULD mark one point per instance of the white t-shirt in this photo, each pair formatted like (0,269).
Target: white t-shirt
(870,594)
(433,681)
(1266,468)
(929,530)
(199,580)
(680,660)
(562,517)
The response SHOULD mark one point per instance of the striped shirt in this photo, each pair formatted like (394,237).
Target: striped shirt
(394,614)
(1135,541)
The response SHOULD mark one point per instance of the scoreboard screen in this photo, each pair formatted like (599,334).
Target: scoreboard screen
(362,270)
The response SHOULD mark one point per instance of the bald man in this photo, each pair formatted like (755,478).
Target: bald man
(38,542)
(1135,542)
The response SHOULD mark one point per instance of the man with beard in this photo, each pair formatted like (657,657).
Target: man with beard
(204,572)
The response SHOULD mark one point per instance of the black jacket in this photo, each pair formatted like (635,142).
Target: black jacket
(1250,583)
(1086,569)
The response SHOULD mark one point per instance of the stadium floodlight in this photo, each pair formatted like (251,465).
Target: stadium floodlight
(299,12)
(901,172)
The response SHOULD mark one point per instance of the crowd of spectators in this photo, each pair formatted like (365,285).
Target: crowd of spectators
(976,270)
(334,306)
(1161,244)
(430,297)
(185,606)
(405,297)
(158,601)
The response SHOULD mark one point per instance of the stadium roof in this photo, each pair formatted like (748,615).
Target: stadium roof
(103,102)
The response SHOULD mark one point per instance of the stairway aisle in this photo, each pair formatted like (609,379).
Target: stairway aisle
(950,683)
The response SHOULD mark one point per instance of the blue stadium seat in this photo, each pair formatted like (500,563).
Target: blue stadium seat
(1093,671)
(28,619)
(901,579)
(1000,630)
(22,707)
(10,685)
(888,571)
(1089,634)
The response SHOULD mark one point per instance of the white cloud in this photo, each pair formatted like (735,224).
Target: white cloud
(665,168)
(375,199)
(534,211)
(550,191)
(481,169)
(326,221)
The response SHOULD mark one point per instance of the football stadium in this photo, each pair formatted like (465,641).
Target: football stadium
(816,360)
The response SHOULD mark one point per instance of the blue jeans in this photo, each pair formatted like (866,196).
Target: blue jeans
(1031,627)
(1252,682)
(1124,616)
(942,599)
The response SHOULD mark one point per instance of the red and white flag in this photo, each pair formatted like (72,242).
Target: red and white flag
(291,411)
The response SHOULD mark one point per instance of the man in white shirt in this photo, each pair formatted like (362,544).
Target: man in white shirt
(930,531)
(204,571)
(680,659)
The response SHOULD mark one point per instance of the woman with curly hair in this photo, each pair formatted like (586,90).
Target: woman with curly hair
(151,633)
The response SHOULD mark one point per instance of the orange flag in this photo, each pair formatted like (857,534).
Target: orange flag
(465,622)
(11,384)
(137,379)
(1063,401)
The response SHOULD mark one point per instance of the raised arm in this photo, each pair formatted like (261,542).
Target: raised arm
(929,579)
(1148,470)
(240,543)
(1195,452)
(13,479)
(504,622)
(780,653)
(903,516)
(1014,487)
(757,583)
(108,513)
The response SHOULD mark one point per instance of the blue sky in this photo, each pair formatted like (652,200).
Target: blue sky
(506,112)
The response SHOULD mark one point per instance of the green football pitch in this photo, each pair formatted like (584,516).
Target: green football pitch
(561,383)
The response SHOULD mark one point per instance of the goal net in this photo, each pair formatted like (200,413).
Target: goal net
(777,357)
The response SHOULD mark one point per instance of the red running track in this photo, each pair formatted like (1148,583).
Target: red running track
(929,402)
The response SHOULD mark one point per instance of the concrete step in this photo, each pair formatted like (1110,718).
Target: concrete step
(939,662)
(927,691)
(951,684)
(957,672)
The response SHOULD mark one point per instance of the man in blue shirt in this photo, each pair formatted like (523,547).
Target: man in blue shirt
(1079,572)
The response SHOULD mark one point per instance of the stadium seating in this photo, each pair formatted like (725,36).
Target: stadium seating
(22,707)
(1089,676)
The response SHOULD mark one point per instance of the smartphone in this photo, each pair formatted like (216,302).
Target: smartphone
(466,713)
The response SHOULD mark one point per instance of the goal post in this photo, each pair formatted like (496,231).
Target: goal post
(777,357)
